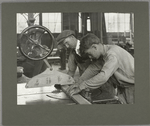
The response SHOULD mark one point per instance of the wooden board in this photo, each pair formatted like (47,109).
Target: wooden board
(77,98)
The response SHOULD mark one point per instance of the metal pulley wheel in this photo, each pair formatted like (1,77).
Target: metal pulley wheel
(36,42)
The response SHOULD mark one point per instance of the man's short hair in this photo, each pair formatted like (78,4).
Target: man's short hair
(87,41)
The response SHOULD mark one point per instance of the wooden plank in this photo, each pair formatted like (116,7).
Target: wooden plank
(77,98)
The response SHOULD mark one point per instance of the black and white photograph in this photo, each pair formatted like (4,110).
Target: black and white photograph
(75,58)
(75,63)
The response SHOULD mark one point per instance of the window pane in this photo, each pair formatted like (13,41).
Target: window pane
(88,25)
(21,23)
(52,21)
(57,28)
(117,22)
(80,22)
(46,24)
(45,17)
(36,20)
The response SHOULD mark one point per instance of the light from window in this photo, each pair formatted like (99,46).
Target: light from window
(52,21)
(80,22)
(88,25)
(22,21)
(117,22)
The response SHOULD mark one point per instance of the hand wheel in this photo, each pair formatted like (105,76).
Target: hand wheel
(36,42)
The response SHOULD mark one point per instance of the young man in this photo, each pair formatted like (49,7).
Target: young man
(118,69)
(67,38)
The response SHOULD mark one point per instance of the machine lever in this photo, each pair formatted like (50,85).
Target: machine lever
(49,66)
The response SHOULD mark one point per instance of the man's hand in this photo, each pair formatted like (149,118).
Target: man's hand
(73,89)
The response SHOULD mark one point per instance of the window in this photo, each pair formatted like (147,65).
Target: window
(88,24)
(80,22)
(22,21)
(52,21)
(117,22)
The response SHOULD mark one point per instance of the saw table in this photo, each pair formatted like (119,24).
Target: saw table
(50,95)
(46,95)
